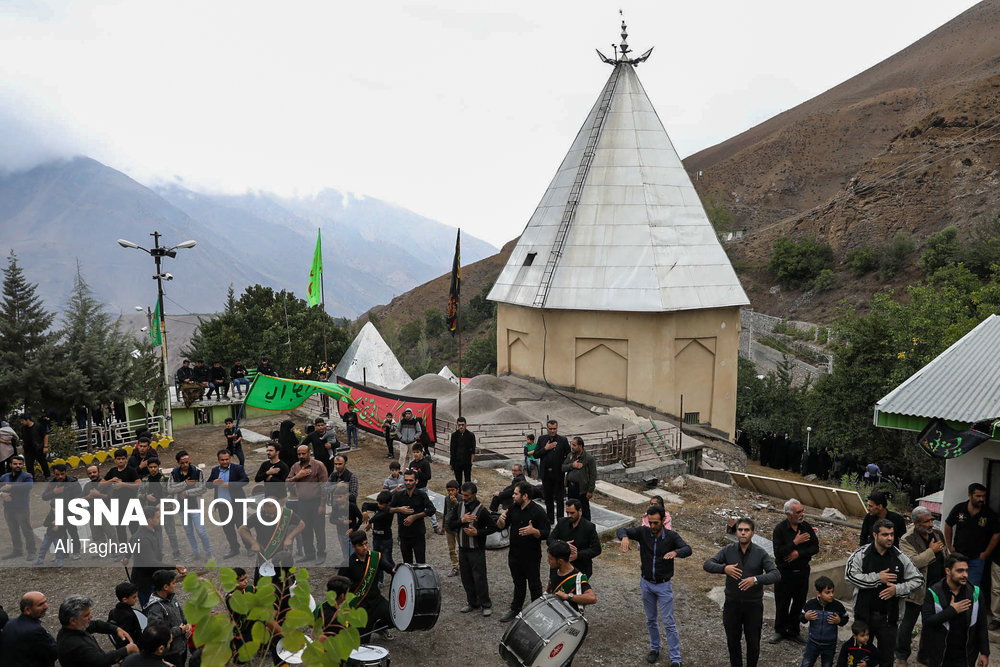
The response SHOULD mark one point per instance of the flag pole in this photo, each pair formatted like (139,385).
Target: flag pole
(454,308)
(459,325)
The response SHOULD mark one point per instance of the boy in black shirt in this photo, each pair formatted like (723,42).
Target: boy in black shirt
(123,615)
(422,468)
(234,439)
(380,523)
(858,651)
(565,581)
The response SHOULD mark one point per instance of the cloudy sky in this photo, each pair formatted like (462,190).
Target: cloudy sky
(458,110)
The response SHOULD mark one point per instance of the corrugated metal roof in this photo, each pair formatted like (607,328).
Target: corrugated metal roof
(639,239)
(369,358)
(962,384)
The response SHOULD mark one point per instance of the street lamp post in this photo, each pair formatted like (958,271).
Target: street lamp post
(157,252)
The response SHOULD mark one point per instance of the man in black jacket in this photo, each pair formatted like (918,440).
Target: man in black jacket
(463,451)
(202,376)
(748,569)
(955,620)
(795,543)
(878,508)
(75,644)
(24,641)
(551,452)
(218,381)
(528,528)
(658,547)
(504,497)
(412,505)
(581,536)
(238,373)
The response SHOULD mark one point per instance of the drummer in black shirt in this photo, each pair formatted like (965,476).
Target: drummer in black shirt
(412,505)
(565,581)
(529,527)
(362,567)
(380,523)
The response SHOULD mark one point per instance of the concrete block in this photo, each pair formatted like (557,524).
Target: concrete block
(619,493)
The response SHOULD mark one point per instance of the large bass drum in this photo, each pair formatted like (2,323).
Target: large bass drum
(547,633)
(415,597)
(368,655)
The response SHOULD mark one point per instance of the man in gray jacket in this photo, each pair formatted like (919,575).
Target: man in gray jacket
(748,569)
(581,475)
(164,608)
(881,573)
(925,546)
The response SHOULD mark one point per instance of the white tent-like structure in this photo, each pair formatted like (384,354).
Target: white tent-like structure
(370,359)
(446,373)
(618,285)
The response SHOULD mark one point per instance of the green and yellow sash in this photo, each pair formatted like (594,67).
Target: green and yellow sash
(569,585)
(368,580)
(275,543)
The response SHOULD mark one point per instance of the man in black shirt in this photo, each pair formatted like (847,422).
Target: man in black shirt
(954,620)
(121,482)
(217,380)
(473,522)
(795,543)
(362,568)
(75,644)
(463,451)
(273,470)
(265,368)
(881,573)
(412,505)
(971,528)
(658,547)
(24,640)
(138,461)
(878,508)
(323,443)
(35,445)
(202,376)
(581,536)
(238,373)
(551,451)
(505,496)
(748,569)
(379,520)
(528,528)
(234,440)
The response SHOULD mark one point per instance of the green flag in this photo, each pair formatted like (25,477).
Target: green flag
(271,393)
(156,327)
(314,293)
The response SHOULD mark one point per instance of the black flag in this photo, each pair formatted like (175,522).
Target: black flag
(456,285)
(943,442)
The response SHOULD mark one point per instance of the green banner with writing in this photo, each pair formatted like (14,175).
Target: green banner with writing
(271,393)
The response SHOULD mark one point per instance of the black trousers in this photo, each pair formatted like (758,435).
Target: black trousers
(413,546)
(573,491)
(308,511)
(552,491)
(378,617)
(31,457)
(461,471)
(789,597)
(904,636)
(389,446)
(743,619)
(524,570)
(472,566)
(883,633)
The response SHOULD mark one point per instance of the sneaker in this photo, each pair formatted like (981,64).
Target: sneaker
(467,608)
(37,562)
(776,638)
(75,556)
(454,572)
(509,616)
(652,656)
(487,611)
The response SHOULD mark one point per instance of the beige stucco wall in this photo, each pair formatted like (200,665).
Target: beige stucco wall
(646,358)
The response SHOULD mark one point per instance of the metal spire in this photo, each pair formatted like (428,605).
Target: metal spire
(622,50)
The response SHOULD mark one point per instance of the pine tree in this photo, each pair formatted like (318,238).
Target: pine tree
(26,344)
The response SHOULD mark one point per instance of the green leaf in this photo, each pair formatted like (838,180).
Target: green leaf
(297,618)
(227,577)
(190,582)
(293,640)
(239,602)
(248,650)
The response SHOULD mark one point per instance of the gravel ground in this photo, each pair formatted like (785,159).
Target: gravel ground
(617,634)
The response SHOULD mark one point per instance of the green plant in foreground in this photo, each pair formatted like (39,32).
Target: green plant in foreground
(214,629)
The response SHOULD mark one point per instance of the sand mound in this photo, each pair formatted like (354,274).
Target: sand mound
(510,415)
(489,383)
(477,406)
(430,385)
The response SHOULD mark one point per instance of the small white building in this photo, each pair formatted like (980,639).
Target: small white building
(961,386)
(369,359)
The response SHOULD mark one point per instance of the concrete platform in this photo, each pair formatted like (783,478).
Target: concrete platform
(621,494)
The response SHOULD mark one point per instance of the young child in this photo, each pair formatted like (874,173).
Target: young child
(339,586)
(824,614)
(529,455)
(858,651)
(450,503)
(123,615)
(380,523)
(234,439)
(389,429)
(422,468)
(394,482)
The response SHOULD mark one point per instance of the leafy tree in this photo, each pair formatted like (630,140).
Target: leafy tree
(719,214)
(943,248)
(983,249)
(409,335)
(861,261)
(481,356)
(27,346)
(825,281)
(230,300)
(434,322)
(895,255)
(797,263)
(265,323)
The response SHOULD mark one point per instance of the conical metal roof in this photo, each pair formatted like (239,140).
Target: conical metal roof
(621,226)
(369,359)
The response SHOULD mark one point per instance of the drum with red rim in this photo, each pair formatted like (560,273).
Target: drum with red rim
(547,633)
(415,597)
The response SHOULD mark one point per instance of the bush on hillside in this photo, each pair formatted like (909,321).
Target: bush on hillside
(942,249)
(797,263)
(861,261)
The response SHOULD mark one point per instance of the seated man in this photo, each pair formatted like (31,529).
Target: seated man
(217,381)
(502,499)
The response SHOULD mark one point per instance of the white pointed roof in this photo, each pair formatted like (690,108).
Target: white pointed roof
(638,238)
(446,373)
(369,358)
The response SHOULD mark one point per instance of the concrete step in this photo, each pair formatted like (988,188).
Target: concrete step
(622,494)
